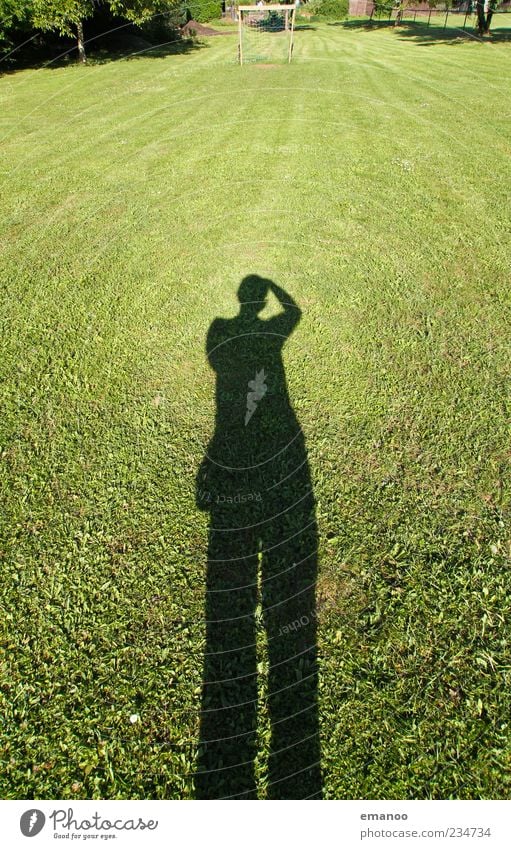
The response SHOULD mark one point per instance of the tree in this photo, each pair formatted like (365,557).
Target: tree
(64,16)
(140,11)
(13,14)
(67,16)
(484,11)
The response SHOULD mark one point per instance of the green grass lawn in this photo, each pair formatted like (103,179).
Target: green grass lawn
(370,179)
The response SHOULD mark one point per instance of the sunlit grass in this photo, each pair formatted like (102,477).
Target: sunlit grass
(370,178)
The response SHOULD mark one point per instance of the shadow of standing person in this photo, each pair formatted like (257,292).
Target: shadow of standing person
(262,563)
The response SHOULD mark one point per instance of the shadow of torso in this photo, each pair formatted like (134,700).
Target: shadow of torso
(251,436)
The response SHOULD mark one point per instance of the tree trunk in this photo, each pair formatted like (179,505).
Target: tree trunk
(81,46)
(399,15)
(481,21)
(489,16)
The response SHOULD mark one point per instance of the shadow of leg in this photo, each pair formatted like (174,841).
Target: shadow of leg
(227,744)
(289,572)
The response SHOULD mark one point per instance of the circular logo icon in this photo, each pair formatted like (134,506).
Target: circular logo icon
(32,822)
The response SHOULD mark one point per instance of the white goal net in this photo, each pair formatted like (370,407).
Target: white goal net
(265,33)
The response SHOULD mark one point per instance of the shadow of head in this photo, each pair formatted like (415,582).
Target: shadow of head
(252,294)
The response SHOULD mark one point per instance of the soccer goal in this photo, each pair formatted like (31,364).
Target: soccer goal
(266,33)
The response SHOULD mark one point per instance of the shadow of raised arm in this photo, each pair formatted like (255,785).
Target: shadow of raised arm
(285,322)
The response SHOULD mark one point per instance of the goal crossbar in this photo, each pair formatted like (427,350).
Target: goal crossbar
(272,6)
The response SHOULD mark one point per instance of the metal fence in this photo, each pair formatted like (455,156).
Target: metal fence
(465,11)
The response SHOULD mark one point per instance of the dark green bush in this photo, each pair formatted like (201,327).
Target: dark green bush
(204,10)
(331,10)
(272,21)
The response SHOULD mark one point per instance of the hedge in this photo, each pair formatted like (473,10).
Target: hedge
(332,10)
(204,10)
